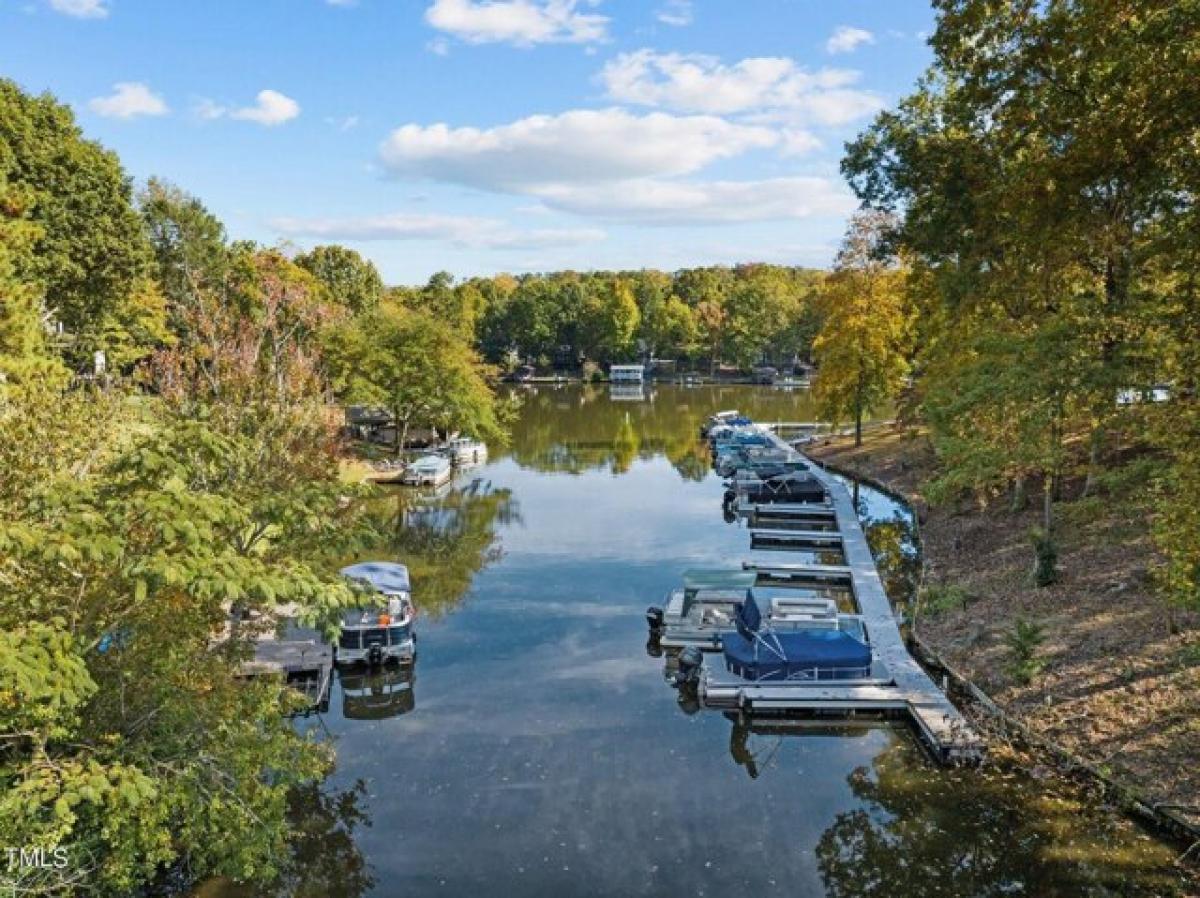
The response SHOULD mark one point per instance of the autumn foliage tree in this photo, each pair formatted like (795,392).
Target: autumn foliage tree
(861,348)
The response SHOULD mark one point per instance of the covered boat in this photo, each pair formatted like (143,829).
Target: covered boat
(706,608)
(804,654)
(788,486)
(738,437)
(729,417)
(428,470)
(383,630)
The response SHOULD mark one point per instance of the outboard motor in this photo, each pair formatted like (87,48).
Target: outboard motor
(654,620)
(689,662)
(375,655)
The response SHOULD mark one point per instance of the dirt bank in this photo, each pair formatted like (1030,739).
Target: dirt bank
(1118,688)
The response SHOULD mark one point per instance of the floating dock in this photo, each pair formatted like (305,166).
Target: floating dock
(897,685)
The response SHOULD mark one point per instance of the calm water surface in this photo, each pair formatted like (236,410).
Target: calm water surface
(537,751)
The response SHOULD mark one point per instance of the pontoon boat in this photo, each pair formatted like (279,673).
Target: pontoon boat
(383,630)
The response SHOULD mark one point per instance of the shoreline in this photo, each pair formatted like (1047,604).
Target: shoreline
(980,552)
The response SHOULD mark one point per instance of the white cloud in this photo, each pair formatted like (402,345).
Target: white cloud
(797,142)
(129,99)
(578,146)
(698,83)
(270,108)
(520,22)
(846,39)
(81,9)
(464,231)
(653,201)
(439,46)
(348,123)
(208,110)
(675,12)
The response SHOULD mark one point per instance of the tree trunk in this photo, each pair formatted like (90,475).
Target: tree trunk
(1094,453)
(401,433)
(1019,497)
(1048,505)
(858,416)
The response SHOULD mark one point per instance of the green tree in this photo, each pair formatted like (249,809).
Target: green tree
(24,353)
(418,368)
(129,739)
(862,344)
(608,320)
(89,249)
(351,280)
(1047,176)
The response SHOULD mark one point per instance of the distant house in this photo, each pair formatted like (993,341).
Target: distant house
(1137,395)
(629,374)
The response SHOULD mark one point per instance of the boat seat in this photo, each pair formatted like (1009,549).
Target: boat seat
(818,612)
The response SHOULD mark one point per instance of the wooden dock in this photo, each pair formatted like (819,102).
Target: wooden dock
(899,685)
(302,658)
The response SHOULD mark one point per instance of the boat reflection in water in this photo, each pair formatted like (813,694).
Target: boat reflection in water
(379,693)
(757,754)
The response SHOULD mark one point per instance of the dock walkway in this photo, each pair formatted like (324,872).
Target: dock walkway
(907,689)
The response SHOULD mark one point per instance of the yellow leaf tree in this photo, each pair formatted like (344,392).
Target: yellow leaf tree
(861,348)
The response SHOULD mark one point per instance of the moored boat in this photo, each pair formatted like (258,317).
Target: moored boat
(466,451)
(381,630)
(706,608)
(428,470)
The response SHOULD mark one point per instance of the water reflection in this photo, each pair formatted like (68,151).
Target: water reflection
(324,859)
(446,537)
(377,694)
(571,428)
(754,744)
(955,834)
(891,530)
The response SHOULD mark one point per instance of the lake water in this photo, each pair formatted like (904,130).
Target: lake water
(538,751)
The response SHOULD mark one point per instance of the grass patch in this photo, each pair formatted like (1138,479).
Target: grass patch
(942,597)
(1189,655)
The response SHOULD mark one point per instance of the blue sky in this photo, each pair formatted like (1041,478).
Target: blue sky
(478,137)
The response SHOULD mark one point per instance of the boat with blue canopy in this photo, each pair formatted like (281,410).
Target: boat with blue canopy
(756,651)
(705,609)
(382,630)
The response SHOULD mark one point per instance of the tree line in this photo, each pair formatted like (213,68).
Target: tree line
(699,317)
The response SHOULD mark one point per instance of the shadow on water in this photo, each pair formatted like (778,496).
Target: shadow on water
(546,759)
